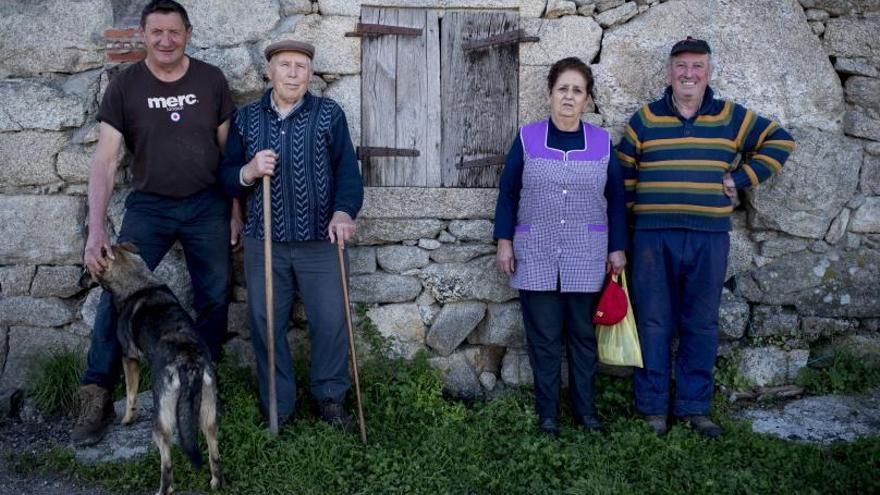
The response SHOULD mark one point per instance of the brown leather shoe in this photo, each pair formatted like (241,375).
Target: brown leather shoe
(95,414)
(659,424)
(703,425)
(333,413)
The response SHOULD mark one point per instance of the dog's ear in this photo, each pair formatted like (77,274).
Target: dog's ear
(86,280)
(127,246)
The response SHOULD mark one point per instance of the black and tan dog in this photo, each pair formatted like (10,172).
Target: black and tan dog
(152,325)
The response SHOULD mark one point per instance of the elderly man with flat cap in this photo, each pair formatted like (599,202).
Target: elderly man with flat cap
(677,154)
(302,142)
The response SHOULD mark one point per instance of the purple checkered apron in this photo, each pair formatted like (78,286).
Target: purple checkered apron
(562,230)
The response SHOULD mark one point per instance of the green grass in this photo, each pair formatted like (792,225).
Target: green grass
(420,442)
(847,374)
(54,379)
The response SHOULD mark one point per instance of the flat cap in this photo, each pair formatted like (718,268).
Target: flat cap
(690,44)
(289,46)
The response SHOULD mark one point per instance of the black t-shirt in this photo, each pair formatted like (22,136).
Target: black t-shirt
(170,128)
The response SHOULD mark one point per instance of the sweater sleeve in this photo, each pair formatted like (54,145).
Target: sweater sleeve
(233,161)
(614,194)
(765,147)
(349,186)
(509,188)
(629,154)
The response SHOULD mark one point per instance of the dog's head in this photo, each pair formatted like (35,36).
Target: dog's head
(125,273)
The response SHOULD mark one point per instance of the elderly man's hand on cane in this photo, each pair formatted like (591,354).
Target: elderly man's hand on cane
(341,228)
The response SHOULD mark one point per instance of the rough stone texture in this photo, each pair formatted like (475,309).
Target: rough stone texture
(243,75)
(778,245)
(402,325)
(742,249)
(347,92)
(812,327)
(603,5)
(384,231)
(816,182)
(34,104)
(484,358)
(632,69)
(515,368)
(172,270)
(863,91)
(860,124)
(460,379)
(618,15)
(15,280)
(220,23)
(570,36)
(73,163)
(289,7)
(383,288)
(559,8)
(733,316)
(339,7)
(869,180)
(769,321)
(90,306)
(41,229)
(488,380)
(855,66)
(56,281)
(27,158)
(853,37)
(477,279)
(431,202)
(460,253)
(28,48)
(766,366)
(866,218)
(842,7)
(123,443)
(824,419)
(334,53)
(832,284)
(838,227)
(503,326)
(43,312)
(361,260)
(863,347)
(454,323)
(429,244)
(27,343)
(401,258)
(472,230)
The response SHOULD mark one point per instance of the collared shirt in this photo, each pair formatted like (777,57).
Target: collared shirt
(281,115)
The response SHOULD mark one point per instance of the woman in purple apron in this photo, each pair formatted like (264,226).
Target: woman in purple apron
(560,223)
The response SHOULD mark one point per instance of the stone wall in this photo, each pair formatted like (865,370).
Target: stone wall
(805,258)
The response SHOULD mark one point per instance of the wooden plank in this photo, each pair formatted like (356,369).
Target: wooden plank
(366,30)
(370,151)
(479,96)
(515,36)
(489,161)
(433,116)
(412,93)
(378,93)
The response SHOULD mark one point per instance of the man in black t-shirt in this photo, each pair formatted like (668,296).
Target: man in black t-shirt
(172,112)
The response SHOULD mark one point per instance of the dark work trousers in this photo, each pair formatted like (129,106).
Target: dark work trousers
(312,269)
(677,281)
(153,223)
(553,319)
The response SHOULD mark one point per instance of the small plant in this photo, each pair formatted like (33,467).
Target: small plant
(727,373)
(847,374)
(54,380)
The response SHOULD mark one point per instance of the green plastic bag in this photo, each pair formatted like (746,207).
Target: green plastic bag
(619,343)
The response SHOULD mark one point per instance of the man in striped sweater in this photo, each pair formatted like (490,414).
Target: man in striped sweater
(677,154)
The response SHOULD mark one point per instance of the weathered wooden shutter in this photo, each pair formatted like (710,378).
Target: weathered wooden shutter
(479,97)
(438,107)
(400,95)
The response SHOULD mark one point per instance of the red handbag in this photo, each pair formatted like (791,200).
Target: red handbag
(613,303)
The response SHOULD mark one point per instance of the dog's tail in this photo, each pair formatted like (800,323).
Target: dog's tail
(188,406)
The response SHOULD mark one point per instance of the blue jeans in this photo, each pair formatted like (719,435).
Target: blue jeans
(312,269)
(678,276)
(554,319)
(153,223)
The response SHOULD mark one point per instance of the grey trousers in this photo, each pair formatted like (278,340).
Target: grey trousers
(312,268)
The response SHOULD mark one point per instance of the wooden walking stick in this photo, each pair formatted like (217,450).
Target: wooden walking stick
(270,303)
(354,366)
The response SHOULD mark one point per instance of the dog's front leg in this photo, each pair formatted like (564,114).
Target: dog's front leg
(132,372)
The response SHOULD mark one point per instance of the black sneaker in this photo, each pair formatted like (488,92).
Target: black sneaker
(703,425)
(548,426)
(591,423)
(659,424)
(334,414)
